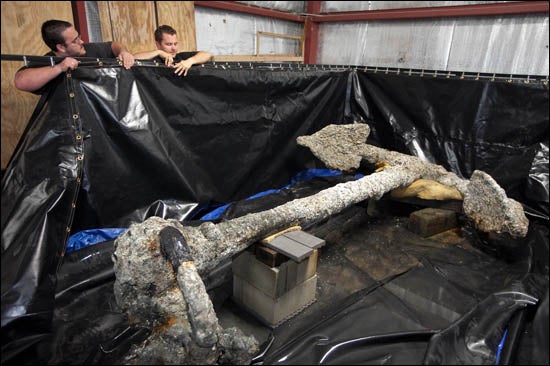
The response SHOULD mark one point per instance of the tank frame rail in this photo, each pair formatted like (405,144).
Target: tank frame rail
(35,61)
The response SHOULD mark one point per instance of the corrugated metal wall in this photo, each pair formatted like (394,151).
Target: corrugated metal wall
(512,44)
(229,33)
(334,6)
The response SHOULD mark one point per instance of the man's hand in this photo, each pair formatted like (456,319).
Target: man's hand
(183,67)
(126,59)
(68,63)
(168,59)
(33,78)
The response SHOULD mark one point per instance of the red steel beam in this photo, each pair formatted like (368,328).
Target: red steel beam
(250,9)
(80,22)
(311,32)
(521,7)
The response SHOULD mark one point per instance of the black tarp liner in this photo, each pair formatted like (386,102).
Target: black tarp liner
(121,145)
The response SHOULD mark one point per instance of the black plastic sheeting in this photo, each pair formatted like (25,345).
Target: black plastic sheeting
(436,313)
(121,145)
(464,125)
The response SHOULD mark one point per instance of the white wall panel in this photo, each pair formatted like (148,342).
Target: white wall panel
(232,33)
(507,44)
(333,6)
(513,44)
(290,6)
(409,44)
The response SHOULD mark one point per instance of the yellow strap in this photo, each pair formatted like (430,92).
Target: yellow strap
(268,239)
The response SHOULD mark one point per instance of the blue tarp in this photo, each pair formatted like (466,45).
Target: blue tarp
(85,238)
(302,176)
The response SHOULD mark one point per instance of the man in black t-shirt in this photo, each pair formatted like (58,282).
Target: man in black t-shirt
(64,41)
(166,41)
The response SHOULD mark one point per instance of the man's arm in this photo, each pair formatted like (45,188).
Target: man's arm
(122,54)
(32,79)
(199,58)
(147,55)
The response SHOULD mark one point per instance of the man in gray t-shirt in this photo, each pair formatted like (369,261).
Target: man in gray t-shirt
(64,41)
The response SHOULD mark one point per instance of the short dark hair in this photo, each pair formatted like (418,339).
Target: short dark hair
(163,29)
(51,32)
